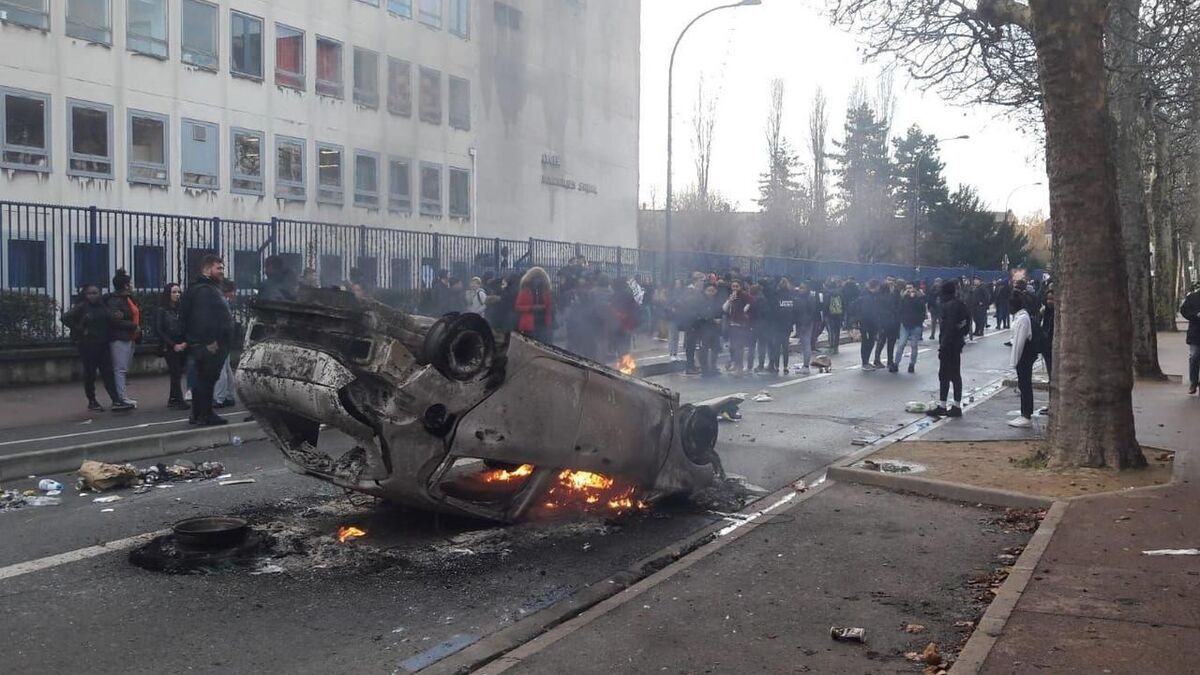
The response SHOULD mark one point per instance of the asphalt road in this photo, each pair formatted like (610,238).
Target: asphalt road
(416,586)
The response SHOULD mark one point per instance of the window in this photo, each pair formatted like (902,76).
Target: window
(366,179)
(289,57)
(399,185)
(400,8)
(431,189)
(330,269)
(90,130)
(460,17)
(199,33)
(149,266)
(26,263)
(31,13)
(90,264)
(508,16)
(247,155)
(366,78)
(329,173)
(148,148)
(90,20)
(431,13)
(246,51)
(431,96)
(401,279)
(24,130)
(201,155)
(460,103)
(460,193)
(247,269)
(289,169)
(399,87)
(146,31)
(329,67)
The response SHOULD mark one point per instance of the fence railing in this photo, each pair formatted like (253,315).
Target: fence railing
(47,252)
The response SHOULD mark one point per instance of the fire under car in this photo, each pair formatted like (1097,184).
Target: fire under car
(449,415)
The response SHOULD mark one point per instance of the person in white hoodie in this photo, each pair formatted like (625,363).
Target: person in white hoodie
(1024,355)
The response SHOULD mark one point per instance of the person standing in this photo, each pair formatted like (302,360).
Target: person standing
(223,391)
(912,327)
(708,330)
(866,313)
(124,332)
(208,327)
(737,322)
(981,299)
(280,282)
(689,321)
(835,313)
(956,324)
(1047,324)
(172,343)
(889,323)
(89,322)
(807,312)
(476,297)
(1003,295)
(850,293)
(535,306)
(1190,309)
(933,303)
(783,318)
(1024,354)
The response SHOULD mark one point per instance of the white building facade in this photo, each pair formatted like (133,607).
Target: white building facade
(510,119)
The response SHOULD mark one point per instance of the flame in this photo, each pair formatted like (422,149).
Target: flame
(627,365)
(346,533)
(504,475)
(592,492)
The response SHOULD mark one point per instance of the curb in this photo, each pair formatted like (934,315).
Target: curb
(979,645)
(941,489)
(121,450)
(1038,385)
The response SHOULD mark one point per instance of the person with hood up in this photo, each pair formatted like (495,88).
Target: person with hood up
(535,306)
(956,324)
(89,322)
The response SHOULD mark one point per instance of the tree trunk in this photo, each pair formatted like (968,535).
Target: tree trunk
(1093,422)
(1165,269)
(1129,87)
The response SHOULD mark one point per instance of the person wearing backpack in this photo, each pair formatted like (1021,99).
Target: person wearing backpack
(1025,350)
(835,313)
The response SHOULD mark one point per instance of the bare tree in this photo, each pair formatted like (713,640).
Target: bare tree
(704,122)
(818,128)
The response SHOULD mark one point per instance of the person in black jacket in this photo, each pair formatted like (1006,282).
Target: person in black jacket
(933,303)
(1047,323)
(912,326)
(707,326)
(280,282)
(956,324)
(850,294)
(124,331)
(888,312)
(172,342)
(1190,309)
(782,319)
(89,323)
(866,312)
(981,299)
(208,328)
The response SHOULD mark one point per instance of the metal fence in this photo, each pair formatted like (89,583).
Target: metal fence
(47,252)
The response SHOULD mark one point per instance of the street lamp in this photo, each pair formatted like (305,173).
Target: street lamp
(668,272)
(916,200)
(1014,191)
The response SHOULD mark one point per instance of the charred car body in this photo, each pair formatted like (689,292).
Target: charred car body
(431,400)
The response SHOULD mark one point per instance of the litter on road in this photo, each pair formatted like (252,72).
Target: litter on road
(239,481)
(1173,551)
(848,634)
(107,500)
(12,499)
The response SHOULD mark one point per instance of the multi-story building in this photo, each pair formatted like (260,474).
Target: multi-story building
(509,119)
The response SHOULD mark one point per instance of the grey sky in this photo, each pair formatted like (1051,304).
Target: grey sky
(739,51)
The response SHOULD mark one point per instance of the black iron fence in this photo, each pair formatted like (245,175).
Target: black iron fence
(50,251)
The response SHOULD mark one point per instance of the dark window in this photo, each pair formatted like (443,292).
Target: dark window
(289,168)
(431,190)
(399,87)
(247,269)
(329,173)
(460,193)
(460,103)
(26,263)
(148,148)
(400,186)
(330,270)
(246,56)
(401,279)
(199,34)
(366,78)
(366,179)
(247,162)
(149,267)
(91,264)
(431,96)
(24,125)
(91,136)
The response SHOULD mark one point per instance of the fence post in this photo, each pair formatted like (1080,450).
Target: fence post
(437,254)
(216,235)
(275,237)
(496,256)
(93,249)
(362,242)
(620,262)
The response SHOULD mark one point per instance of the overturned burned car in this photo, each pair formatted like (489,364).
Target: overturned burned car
(449,415)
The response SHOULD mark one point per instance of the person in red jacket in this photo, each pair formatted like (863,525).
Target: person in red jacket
(535,306)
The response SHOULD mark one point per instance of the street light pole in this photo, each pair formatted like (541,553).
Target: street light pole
(668,273)
(916,202)
(1014,191)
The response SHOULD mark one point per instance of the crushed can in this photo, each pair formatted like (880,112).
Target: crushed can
(847,634)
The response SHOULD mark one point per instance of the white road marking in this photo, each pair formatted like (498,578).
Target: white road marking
(749,518)
(49,562)
(810,378)
(144,425)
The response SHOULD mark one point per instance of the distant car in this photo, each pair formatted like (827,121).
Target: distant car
(449,415)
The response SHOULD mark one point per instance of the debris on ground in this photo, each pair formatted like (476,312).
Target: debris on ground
(914,628)
(929,656)
(763,397)
(49,485)
(1020,520)
(892,466)
(238,481)
(848,634)
(106,500)
(12,499)
(1173,551)
(860,442)
(100,476)
(916,407)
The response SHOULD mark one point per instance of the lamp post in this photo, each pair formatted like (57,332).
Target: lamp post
(668,273)
(916,201)
(1014,191)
